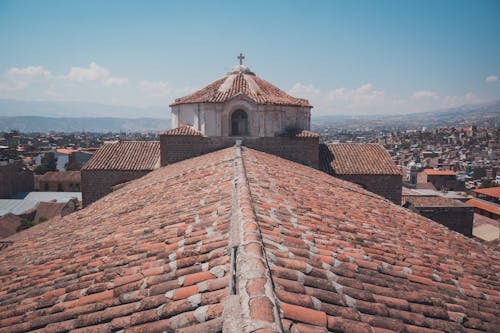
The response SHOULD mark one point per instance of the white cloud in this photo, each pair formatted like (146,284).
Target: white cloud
(115,81)
(491,78)
(308,91)
(425,94)
(158,88)
(364,95)
(28,72)
(92,73)
(468,98)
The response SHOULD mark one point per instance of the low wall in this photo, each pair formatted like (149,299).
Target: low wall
(387,186)
(98,183)
(298,149)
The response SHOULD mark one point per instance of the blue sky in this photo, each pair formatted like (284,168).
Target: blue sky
(345,56)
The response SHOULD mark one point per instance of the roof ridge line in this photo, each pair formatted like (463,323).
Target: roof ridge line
(253,305)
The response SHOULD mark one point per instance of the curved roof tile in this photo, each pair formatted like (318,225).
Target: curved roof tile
(313,253)
(126,155)
(249,85)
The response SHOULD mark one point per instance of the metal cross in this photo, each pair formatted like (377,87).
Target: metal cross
(241,57)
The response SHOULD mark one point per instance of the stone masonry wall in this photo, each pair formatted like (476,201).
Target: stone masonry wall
(98,183)
(297,149)
(387,186)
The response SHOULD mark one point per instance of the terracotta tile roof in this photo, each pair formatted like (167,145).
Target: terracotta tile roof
(302,134)
(126,155)
(313,254)
(491,192)
(66,151)
(249,85)
(185,130)
(432,172)
(484,205)
(434,201)
(61,176)
(356,159)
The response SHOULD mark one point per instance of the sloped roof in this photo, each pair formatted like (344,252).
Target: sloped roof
(434,201)
(433,172)
(356,159)
(241,81)
(61,176)
(184,130)
(126,155)
(491,192)
(484,205)
(313,253)
(301,134)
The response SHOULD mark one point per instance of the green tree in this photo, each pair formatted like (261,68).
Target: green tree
(49,163)
(73,166)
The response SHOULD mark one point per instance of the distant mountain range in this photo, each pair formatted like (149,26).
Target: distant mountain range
(25,116)
(13,108)
(30,124)
(484,114)
(45,116)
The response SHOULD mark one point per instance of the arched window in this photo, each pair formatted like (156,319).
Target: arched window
(239,123)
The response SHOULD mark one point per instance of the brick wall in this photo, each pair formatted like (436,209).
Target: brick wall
(387,186)
(98,183)
(14,178)
(297,149)
(459,219)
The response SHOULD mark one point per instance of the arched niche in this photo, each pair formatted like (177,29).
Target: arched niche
(239,123)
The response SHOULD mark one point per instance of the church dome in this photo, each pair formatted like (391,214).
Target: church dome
(242,81)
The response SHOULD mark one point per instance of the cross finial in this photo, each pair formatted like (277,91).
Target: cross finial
(241,57)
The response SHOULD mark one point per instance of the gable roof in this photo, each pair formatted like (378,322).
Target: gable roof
(491,192)
(484,205)
(157,255)
(434,201)
(184,130)
(433,172)
(244,83)
(356,159)
(126,155)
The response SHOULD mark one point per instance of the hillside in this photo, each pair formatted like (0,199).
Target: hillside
(28,124)
(485,114)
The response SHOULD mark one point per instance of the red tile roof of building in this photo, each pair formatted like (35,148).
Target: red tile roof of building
(433,201)
(356,159)
(433,172)
(314,254)
(65,151)
(61,176)
(491,192)
(301,134)
(184,130)
(126,155)
(484,205)
(246,84)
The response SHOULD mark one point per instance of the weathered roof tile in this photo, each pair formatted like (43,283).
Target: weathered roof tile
(126,155)
(316,253)
(356,159)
